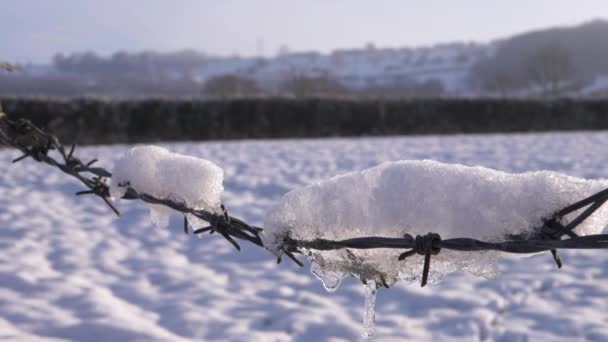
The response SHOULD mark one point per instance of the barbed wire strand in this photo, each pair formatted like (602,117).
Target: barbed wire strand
(35,143)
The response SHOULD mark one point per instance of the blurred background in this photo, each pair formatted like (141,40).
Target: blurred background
(207,70)
(290,52)
(346,49)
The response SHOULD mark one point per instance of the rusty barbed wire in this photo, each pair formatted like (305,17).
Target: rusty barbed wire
(37,144)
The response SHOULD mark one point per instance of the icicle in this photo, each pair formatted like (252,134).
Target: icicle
(159,215)
(331,280)
(369,317)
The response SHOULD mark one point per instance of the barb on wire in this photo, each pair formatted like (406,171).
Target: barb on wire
(553,235)
(37,144)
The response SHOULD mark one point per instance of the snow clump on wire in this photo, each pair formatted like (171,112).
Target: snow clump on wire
(156,171)
(389,200)
(419,197)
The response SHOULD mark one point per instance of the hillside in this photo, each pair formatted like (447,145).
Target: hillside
(555,62)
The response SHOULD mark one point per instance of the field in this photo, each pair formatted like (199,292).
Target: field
(71,270)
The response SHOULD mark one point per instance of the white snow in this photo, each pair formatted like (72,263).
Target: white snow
(419,197)
(72,271)
(156,171)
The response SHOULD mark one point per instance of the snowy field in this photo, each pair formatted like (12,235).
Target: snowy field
(71,270)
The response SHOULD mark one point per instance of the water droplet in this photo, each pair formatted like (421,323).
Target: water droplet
(331,280)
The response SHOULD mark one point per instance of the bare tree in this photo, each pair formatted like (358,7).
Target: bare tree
(231,86)
(502,83)
(304,86)
(551,68)
(494,78)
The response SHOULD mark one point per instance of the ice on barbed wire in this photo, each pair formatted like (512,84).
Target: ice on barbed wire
(369,314)
(156,171)
(419,197)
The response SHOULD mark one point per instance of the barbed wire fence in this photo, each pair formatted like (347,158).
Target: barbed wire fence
(554,234)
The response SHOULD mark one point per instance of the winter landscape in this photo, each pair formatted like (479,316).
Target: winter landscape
(71,270)
(561,61)
(303,130)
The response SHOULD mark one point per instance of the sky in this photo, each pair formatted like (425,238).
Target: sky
(35,30)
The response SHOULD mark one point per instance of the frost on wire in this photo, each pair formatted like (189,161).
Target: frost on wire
(163,174)
(418,197)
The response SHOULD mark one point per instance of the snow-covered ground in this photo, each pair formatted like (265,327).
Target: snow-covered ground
(70,270)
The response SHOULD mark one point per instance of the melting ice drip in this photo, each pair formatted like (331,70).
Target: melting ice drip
(331,281)
(369,316)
